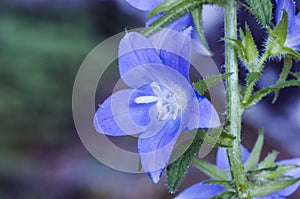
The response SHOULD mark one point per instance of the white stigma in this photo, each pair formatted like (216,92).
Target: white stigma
(168,102)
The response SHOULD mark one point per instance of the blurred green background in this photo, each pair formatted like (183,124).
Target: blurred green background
(42,44)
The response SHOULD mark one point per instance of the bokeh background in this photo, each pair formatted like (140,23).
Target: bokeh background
(42,44)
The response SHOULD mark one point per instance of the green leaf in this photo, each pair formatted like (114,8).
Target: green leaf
(167,4)
(296,75)
(176,11)
(203,85)
(287,66)
(262,10)
(240,49)
(247,50)
(251,81)
(280,31)
(242,89)
(269,161)
(252,77)
(225,183)
(258,174)
(270,174)
(176,170)
(210,169)
(242,35)
(290,52)
(253,159)
(258,95)
(280,171)
(197,18)
(277,37)
(173,13)
(164,6)
(257,190)
(218,137)
(250,48)
(224,140)
(225,195)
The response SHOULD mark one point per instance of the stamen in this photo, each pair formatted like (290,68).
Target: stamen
(166,115)
(156,89)
(159,109)
(175,114)
(146,99)
(167,104)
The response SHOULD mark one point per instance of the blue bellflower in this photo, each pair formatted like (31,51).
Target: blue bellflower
(223,163)
(159,102)
(293,36)
(145,5)
(201,191)
(180,24)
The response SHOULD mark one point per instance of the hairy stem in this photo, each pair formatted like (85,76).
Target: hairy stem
(259,67)
(234,103)
(288,63)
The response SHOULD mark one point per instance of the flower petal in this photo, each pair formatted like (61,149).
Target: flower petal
(161,74)
(295,173)
(136,50)
(289,7)
(200,191)
(180,25)
(293,37)
(113,118)
(293,40)
(161,37)
(139,112)
(176,51)
(245,154)
(270,197)
(209,117)
(145,5)
(155,147)
(222,159)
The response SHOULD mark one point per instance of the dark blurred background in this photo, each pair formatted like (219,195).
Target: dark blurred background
(42,44)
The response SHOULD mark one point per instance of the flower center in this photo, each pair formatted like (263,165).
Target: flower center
(168,102)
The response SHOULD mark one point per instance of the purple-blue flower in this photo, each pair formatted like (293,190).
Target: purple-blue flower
(293,36)
(159,102)
(222,162)
(145,5)
(201,191)
(178,25)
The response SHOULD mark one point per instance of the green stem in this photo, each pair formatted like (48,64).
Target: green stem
(259,67)
(264,57)
(288,63)
(248,92)
(234,104)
